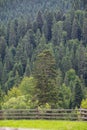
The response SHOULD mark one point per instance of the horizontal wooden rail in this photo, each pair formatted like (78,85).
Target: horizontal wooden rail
(58,114)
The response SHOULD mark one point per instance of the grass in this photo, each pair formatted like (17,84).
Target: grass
(45,124)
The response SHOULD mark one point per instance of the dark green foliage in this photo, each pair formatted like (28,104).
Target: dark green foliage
(1,97)
(27,28)
(4,78)
(84,30)
(39,20)
(76,30)
(48,26)
(45,73)
(28,69)
(2,47)
(1,68)
(78,94)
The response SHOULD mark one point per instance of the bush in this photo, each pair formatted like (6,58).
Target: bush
(84,103)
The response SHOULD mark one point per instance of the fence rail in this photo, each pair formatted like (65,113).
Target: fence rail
(58,114)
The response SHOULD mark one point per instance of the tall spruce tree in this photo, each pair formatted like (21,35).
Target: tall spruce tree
(84,34)
(45,73)
(39,20)
(78,93)
(48,26)
(76,30)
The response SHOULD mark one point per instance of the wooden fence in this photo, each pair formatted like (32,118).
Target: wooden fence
(57,114)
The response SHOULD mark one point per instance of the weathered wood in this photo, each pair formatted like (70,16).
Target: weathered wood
(60,114)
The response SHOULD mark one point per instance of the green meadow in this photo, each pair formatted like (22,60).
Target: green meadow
(45,124)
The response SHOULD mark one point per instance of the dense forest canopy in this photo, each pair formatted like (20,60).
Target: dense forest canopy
(10,9)
(43,54)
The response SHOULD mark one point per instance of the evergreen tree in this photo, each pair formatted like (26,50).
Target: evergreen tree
(12,34)
(57,33)
(81,60)
(76,4)
(64,96)
(28,69)
(9,59)
(59,15)
(2,47)
(38,37)
(4,78)
(68,25)
(18,68)
(78,94)
(76,30)
(84,35)
(66,63)
(21,55)
(1,69)
(84,3)
(2,30)
(39,20)
(70,77)
(48,26)
(84,69)
(1,98)
(45,74)
(22,28)
(59,52)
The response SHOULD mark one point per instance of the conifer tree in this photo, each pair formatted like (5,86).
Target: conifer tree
(39,20)
(1,69)
(78,94)
(84,35)
(57,33)
(76,30)
(45,74)
(2,47)
(48,26)
(28,69)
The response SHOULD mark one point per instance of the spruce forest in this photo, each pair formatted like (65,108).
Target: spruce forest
(43,54)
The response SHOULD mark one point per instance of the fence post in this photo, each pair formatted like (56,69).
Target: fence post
(84,114)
